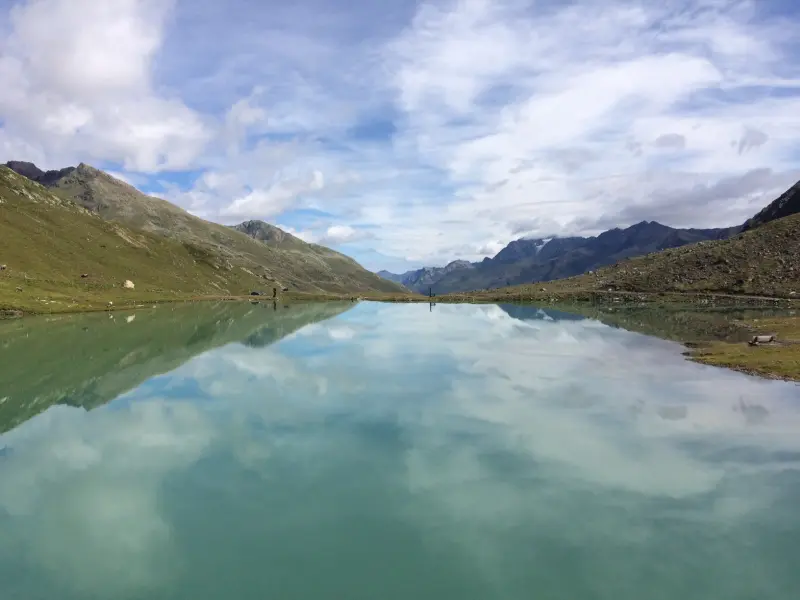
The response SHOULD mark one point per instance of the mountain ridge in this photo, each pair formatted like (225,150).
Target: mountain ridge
(545,259)
(532,260)
(302,267)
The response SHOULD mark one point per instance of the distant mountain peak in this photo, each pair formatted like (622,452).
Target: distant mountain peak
(264,232)
(34,173)
(458,264)
(528,260)
(25,168)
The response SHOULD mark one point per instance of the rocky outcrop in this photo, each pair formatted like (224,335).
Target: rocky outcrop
(34,173)
(785,205)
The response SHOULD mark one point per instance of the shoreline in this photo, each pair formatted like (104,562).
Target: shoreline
(778,360)
(52,302)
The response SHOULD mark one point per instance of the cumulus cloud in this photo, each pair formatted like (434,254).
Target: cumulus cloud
(436,126)
(341,234)
(273,200)
(77,85)
(685,205)
(577,87)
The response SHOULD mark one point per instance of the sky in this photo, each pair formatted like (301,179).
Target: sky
(408,133)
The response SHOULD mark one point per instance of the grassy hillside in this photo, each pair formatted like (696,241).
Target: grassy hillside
(47,243)
(760,262)
(88,360)
(298,266)
(278,239)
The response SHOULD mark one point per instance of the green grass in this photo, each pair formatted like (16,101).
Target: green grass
(47,243)
(291,262)
(780,360)
(714,336)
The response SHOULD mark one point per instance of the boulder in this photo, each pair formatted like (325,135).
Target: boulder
(128,284)
(761,339)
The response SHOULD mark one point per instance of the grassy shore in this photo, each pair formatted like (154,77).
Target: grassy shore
(682,317)
(777,360)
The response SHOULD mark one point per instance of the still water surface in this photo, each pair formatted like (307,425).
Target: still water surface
(387,451)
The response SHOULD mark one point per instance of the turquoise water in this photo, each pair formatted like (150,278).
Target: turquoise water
(385,452)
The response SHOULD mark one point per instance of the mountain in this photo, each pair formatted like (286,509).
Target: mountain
(422,280)
(343,273)
(392,276)
(57,254)
(786,204)
(757,259)
(270,235)
(275,258)
(532,260)
(761,261)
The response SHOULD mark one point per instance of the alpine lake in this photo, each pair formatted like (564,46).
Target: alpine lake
(388,451)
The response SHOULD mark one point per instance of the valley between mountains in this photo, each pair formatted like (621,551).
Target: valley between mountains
(78,239)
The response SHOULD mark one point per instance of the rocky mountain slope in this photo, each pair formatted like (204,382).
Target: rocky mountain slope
(396,277)
(352,276)
(531,260)
(537,260)
(287,263)
(422,280)
(761,261)
(270,235)
(786,204)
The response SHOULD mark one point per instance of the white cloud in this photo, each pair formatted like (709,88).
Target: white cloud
(592,78)
(342,234)
(273,200)
(437,127)
(77,86)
